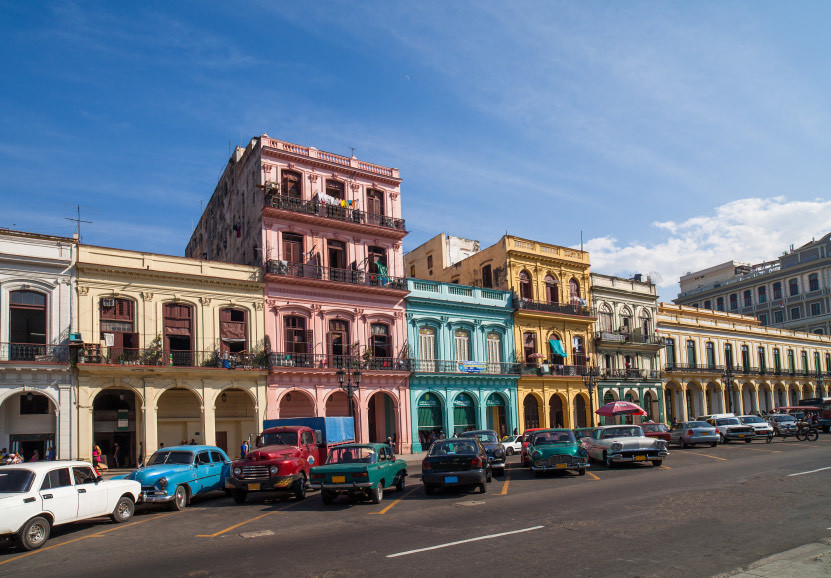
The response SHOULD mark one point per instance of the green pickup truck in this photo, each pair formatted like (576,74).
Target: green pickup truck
(359,470)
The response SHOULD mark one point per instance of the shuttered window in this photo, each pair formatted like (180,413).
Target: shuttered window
(494,352)
(232,330)
(290,184)
(427,348)
(461,341)
(375,202)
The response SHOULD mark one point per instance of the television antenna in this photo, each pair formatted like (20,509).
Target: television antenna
(78,221)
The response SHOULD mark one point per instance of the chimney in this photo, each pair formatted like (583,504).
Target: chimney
(638,276)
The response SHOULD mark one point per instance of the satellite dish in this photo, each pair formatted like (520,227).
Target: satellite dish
(656,277)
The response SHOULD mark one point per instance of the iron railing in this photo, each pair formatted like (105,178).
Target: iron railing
(330,211)
(329,361)
(34,352)
(470,367)
(567,309)
(693,367)
(559,370)
(157,357)
(631,373)
(630,338)
(287,269)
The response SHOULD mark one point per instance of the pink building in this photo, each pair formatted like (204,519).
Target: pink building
(328,230)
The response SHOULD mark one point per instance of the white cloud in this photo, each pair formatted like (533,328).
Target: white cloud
(746,230)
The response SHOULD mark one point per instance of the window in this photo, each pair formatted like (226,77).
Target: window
(412,270)
(574,291)
(777,290)
(605,316)
(529,345)
(525,290)
(233,331)
(336,255)
(335,189)
(338,339)
(763,294)
(33,404)
(427,348)
(578,350)
(804,358)
(794,312)
(306,438)
(378,260)
(720,303)
(56,479)
(298,340)
(745,358)
(793,287)
(748,298)
(670,352)
(375,202)
(83,475)
(817,364)
(791,362)
(494,352)
(27,317)
(461,342)
(708,304)
(379,335)
(777,360)
(203,458)
(292,248)
(626,320)
(487,276)
(763,319)
(815,309)
(691,353)
(728,355)
(734,301)
(217,458)
(552,290)
(645,321)
(813,282)
(117,326)
(429,261)
(290,183)
(761,353)
(828,363)
(777,317)
(711,355)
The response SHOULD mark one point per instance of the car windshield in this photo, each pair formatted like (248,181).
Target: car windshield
(752,419)
(781,418)
(450,447)
(15,480)
(285,438)
(653,427)
(728,421)
(170,458)
(485,438)
(352,455)
(623,432)
(558,437)
(692,424)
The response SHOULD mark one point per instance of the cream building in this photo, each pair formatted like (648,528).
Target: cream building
(768,367)
(173,350)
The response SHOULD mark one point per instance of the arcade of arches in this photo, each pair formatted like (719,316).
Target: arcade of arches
(550,409)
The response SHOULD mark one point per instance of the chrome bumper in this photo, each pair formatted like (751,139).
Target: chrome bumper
(154,498)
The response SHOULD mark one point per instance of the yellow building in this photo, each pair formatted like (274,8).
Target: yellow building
(766,367)
(553,317)
(173,350)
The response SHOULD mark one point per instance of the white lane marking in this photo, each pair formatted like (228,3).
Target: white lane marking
(811,472)
(464,541)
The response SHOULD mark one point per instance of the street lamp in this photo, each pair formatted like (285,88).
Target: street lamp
(590,381)
(728,380)
(350,389)
(819,382)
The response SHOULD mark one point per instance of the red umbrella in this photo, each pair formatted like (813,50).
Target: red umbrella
(620,408)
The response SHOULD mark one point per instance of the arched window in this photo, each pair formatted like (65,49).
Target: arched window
(734,301)
(532,412)
(525,289)
(27,324)
(626,320)
(711,355)
(719,303)
(464,413)
(691,360)
(494,353)
(670,352)
(645,321)
(777,360)
(118,328)
(379,336)
(761,353)
(728,355)
(745,359)
(804,357)
(748,298)
(555,411)
(552,290)
(461,345)
(605,315)
(178,333)
(558,351)
(574,291)
(791,362)
(777,290)
(817,365)
(337,340)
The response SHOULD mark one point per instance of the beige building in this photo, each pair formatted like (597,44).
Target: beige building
(173,351)
(765,367)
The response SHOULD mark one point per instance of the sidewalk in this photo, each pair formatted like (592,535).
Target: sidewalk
(806,561)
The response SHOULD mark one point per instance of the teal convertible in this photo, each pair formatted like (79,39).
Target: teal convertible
(359,470)
(555,450)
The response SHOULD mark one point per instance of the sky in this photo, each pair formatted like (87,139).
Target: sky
(668,136)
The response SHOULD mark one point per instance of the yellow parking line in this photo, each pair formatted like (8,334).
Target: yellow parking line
(707,456)
(240,524)
(764,450)
(664,468)
(96,535)
(594,477)
(504,491)
(388,508)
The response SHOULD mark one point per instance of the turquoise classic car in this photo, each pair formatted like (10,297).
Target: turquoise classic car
(556,450)
(358,469)
(174,475)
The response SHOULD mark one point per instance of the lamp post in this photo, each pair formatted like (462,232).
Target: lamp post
(590,381)
(728,381)
(347,376)
(819,382)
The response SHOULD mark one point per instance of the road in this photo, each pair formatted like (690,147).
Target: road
(705,511)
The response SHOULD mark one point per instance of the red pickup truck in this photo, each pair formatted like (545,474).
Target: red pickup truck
(283,455)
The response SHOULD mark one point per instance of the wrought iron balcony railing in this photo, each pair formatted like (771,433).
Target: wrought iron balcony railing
(567,309)
(629,338)
(34,352)
(95,354)
(631,373)
(287,269)
(328,361)
(331,211)
(559,370)
(470,367)
(693,367)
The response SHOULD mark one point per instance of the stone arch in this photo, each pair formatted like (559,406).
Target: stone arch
(532,403)
(235,418)
(179,416)
(296,402)
(557,410)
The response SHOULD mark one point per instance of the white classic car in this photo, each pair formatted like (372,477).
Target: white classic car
(36,496)
(612,444)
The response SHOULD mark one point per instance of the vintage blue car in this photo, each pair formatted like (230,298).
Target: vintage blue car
(175,474)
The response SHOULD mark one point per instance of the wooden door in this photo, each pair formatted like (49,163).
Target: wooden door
(222,440)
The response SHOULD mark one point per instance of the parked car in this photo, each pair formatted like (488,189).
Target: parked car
(613,444)
(512,444)
(359,470)
(783,424)
(690,433)
(494,449)
(762,429)
(526,436)
(656,430)
(456,462)
(581,433)
(557,450)
(176,474)
(731,429)
(36,496)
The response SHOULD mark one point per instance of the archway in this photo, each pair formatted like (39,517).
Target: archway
(765,397)
(648,406)
(780,398)
(27,424)
(336,405)
(464,413)
(794,394)
(236,420)
(430,419)
(115,421)
(497,418)
(715,400)
(179,417)
(381,418)
(297,403)
(672,402)
(748,398)
(609,397)
(581,415)
(632,396)
(555,411)
(531,409)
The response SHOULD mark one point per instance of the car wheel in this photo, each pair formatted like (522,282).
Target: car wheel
(429,489)
(581,471)
(377,494)
(482,488)
(401,481)
(300,487)
(509,451)
(748,441)
(713,444)
(684,443)
(180,499)
(657,463)
(724,440)
(239,496)
(124,509)
(490,476)
(327,497)
(607,460)
(33,534)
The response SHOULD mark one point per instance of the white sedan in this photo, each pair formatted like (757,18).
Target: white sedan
(36,496)
(512,444)
(613,444)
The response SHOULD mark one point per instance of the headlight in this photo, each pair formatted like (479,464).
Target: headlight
(162,483)
(537,454)
(583,452)
(274,470)
(237,471)
(617,446)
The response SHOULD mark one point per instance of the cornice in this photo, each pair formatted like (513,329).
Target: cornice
(132,275)
(272,152)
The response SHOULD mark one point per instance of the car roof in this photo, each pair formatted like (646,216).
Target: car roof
(373,446)
(619,425)
(477,432)
(45,466)
(558,429)
(188,448)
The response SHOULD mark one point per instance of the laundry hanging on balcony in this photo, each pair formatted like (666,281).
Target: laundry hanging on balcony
(382,272)
(557,347)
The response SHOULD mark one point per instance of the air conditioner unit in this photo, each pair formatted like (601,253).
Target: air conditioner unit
(75,338)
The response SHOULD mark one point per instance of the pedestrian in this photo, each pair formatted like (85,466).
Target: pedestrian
(516,432)
(35,456)
(184,443)
(116,455)
(243,449)
(96,457)
(161,445)
(17,458)
(192,442)
(50,454)
(391,445)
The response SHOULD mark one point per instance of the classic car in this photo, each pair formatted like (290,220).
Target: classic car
(656,430)
(761,428)
(174,475)
(456,462)
(612,444)
(690,433)
(36,496)
(730,428)
(526,436)
(358,470)
(782,424)
(512,444)
(494,449)
(556,450)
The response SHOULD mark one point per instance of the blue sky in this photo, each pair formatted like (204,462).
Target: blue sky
(674,136)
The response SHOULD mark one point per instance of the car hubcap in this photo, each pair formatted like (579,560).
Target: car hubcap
(123,510)
(36,533)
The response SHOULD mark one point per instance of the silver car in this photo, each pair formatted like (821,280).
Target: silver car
(690,433)
(762,428)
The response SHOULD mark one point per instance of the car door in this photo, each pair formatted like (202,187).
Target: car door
(58,496)
(221,468)
(386,463)
(204,473)
(92,494)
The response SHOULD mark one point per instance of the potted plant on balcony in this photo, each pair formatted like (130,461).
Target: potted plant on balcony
(152,354)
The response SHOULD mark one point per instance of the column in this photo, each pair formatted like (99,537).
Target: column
(151,421)
(208,417)
(683,407)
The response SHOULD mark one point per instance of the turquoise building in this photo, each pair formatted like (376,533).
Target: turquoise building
(461,346)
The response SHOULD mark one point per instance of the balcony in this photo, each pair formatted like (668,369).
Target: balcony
(334,362)
(557,370)
(630,374)
(566,309)
(464,367)
(34,352)
(362,278)
(329,211)
(155,357)
(693,368)
(627,338)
